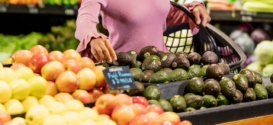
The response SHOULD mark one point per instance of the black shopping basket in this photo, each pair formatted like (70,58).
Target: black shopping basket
(179,38)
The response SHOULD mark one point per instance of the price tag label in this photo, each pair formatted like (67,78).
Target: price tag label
(247,18)
(119,78)
(33,10)
(69,11)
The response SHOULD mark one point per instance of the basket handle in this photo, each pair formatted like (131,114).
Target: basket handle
(201,27)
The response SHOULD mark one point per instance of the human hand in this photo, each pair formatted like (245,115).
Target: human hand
(102,50)
(199,13)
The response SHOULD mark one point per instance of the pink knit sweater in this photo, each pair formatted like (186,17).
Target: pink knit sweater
(132,24)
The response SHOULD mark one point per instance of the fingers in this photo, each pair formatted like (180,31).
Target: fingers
(196,14)
(97,57)
(110,49)
(205,18)
(105,51)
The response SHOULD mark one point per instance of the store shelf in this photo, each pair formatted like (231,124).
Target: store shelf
(242,16)
(35,9)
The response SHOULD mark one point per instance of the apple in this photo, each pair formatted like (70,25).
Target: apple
(2,108)
(12,123)
(63,97)
(20,89)
(38,49)
(140,99)
(185,122)
(88,114)
(22,56)
(5,92)
(106,104)
(106,122)
(123,99)
(52,70)
(86,62)
(29,102)
(170,117)
(139,109)
(95,94)
(102,117)
(71,117)
(100,80)
(71,65)
(38,86)
(74,105)
(87,79)
(106,90)
(16,66)
(141,120)
(51,88)
(13,106)
(88,122)
(36,115)
(155,118)
(46,100)
(56,108)
(155,108)
(56,56)
(168,123)
(82,95)
(123,114)
(54,120)
(8,61)
(72,54)
(37,62)
(4,117)
(20,120)
(67,82)
(24,73)
(7,74)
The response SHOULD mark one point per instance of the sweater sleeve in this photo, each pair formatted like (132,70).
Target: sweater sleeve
(177,16)
(86,23)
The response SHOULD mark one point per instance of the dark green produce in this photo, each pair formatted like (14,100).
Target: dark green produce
(153,57)
(240,82)
(167,59)
(225,67)
(204,70)
(194,58)
(146,76)
(250,77)
(195,85)
(160,77)
(166,105)
(147,51)
(190,109)
(258,78)
(209,101)
(269,89)
(155,102)
(137,92)
(178,102)
(250,95)
(151,64)
(222,100)
(181,62)
(136,64)
(228,87)
(152,92)
(124,59)
(182,54)
(261,92)
(194,71)
(178,75)
(188,95)
(215,71)
(212,87)
(136,73)
(134,54)
(203,108)
(238,97)
(209,57)
(194,101)
(168,70)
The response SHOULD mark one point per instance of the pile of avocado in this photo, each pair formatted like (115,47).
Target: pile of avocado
(153,66)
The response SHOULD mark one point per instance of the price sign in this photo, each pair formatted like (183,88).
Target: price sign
(119,78)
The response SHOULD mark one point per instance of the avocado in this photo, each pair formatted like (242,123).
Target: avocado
(189,109)
(160,52)
(166,105)
(153,57)
(155,102)
(195,85)
(178,75)
(203,108)
(238,98)
(178,102)
(152,92)
(215,71)
(147,51)
(225,67)
(204,69)
(160,77)
(228,87)
(136,73)
(181,62)
(212,87)
(136,64)
(182,54)
(194,58)
(222,100)
(124,59)
(194,101)
(151,64)
(250,95)
(194,71)
(258,78)
(134,54)
(105,65)
(209,57)
(167,59)
(138,91)
(146,76)
(250,77)
(261,92)
(168,70)
(209,101)
(240,82)
(269,89)
(188,95)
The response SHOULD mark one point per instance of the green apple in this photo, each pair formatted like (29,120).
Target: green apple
(88,122)
(2,108)
(46,100)
(29,102)
(54,120)
(13,106)
(38,86)
(20,89)
(36,115)
(20,120)
(7,74)
(74,105)
(71,117)
(88,114)
(56,108)
(24,73)
(5,92)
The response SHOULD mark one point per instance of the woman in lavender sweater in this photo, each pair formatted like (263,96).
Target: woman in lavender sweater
(132,25)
